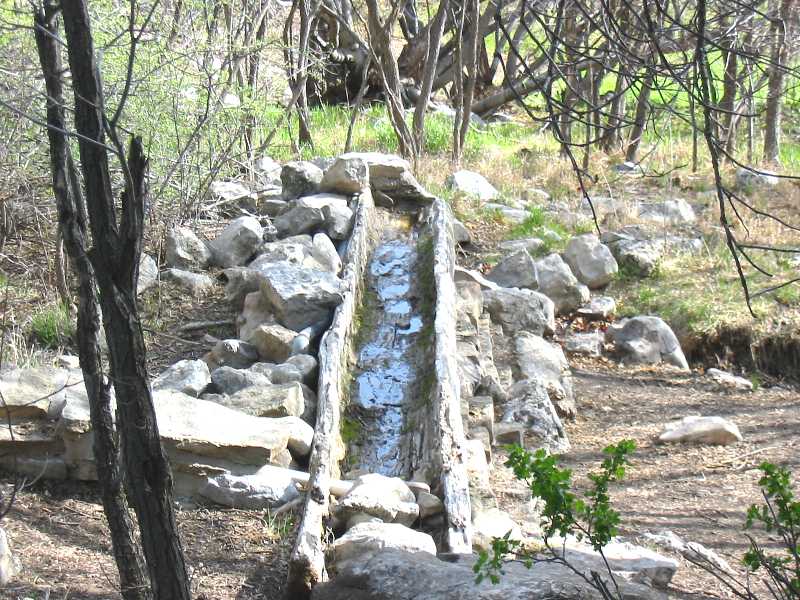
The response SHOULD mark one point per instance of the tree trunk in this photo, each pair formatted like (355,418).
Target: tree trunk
(778,60)
(115,258)
(640,119)
(72,220)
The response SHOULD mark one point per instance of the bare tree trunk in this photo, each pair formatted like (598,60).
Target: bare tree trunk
(640,119)
(115,258)
(778,60)
(72,220)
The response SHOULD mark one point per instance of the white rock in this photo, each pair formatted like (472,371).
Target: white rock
(184,250)
(599,308)
(520,310)
(8,565)
(237,242)
(269,487)
(539,360)
(590,344)
(324,252)
(273,342)
(530,405)
(701,430)
(517,270)
(647,340)
(758,177)
(473,184)
(367,539)
(387,498)
(730,380)
(557,282)
(493,523)
(229,191)
(590,261)
(346,176)
(300,297)
(148,273)
(232,353)
(300,178)
(190,377)
(669,212)
(690,550)
(194,283)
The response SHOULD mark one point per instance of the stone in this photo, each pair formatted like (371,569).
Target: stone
(273,342)
(189,377)
(237,242)
(529,404)
(520,310)
(337,221)
(493,523)
(228,380)
(512,215)
(346,176)
(387,498)
(591,261)
(461,233)
(517,270)
(307,366)
(701,430)
(232,353)
(628,168)
(753,178)
(229,191)
(472,184)
(295,250)
(531,245)
(194,283)
(269,487)
(275,400)
(148,273)
(239,282)
(539,360)
(38,392)
(308,213)
(729,380)
(8,564)
(390,175)
(255,312)
(324,252)
(638,257)
(300,297)
(692,551)
(285,373)
(301,435)
(556,281)
(598,309)
(394,574)
(184,250)
(429,504)
(588,344)
(369,538)
(647,340)
(462,275)
(300,178)
(668,212)
(191,426)
(268,169)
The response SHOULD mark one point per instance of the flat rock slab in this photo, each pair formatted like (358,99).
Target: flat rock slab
(300,297)
(701,430)
(38,392)
(366,539)
(268,488)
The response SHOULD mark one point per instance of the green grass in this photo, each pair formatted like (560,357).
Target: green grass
(555,235)
(52,326)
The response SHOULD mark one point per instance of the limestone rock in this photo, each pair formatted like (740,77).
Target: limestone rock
(324,252)
(473,184)
(239,282)
(307,366)
(8,564)
(493,523)
(390,175)
(237,242)
(230,191)
(255,311)
(590,261)
(530,405)
(387,498)
(337,221)
(701,430)
(300,297)
(517,270)
(463,275)
(270,487)
(190,377)
(557,282)
(184,250)
(520,310)
(461,233)
(668,212)
(531,245)
(750,178)
(647,340)
(729,380)
(148,273)
(636,256)
(273,342)
(539,360)
(346,176)
(690,550)
(228,380)
(285,373)
(277,400)
(599,308)
(232,353)
(268,169)
(37,392)
(429,505)
(300,178)
(589,344)
(367,539)
(194,283)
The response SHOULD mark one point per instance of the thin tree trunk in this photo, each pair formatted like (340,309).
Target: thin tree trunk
(115,258)
(72,221)
(778,59)
(640,119)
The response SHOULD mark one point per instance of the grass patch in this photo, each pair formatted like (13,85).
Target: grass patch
(52,326)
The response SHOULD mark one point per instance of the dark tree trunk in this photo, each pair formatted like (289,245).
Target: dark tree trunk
(778,60)
(115,258)
(72,221)
(640,119)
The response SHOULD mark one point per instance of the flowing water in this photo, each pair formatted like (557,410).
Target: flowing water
(388,357)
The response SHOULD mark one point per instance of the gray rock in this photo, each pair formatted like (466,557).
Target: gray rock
(532,245)
(367,539)
(636,256)
(517,270)
(232,353)
(387,498)
(462,275)
(229,380)
(589,344)
(194,283)
(268,169)
(255,311)
(701,430)
(300,297)
(729,380)
(8,564)
(429,504)
(490,524)
(230,191)
(237,242)
(324,252)
(338,221)
(38,392)
(270,487)
(590,261)
(239,282)
(307,366)
(285,373)
(189,377)
(273,342)
(539,360)
(690,550)
(599,308)
(391,176)
(307,213)
(520,310)
(184,250)
(278,400)
(752,178)
(472,184)
(557,282)
(530,405)
(669,212)
(346,176)
(300,178)
(512,215)
(148,273)
(628,167)
(647,340)
(461,233)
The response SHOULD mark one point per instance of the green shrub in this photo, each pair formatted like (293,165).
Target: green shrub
(53,326)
